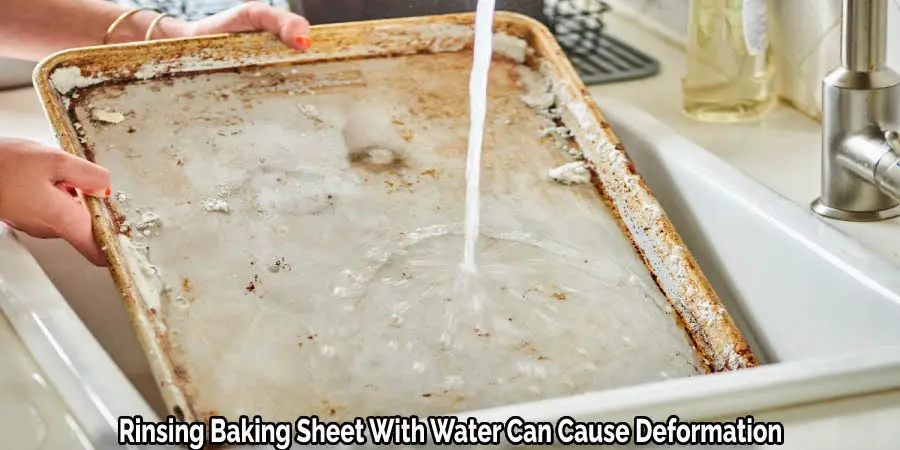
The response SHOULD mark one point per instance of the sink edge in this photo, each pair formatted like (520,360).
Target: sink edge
(93,388)
(742,392)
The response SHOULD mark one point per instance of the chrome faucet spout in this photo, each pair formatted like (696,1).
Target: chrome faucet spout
(864,32)
(860,122)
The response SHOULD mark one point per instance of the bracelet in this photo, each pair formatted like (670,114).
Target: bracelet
(119,21)
(153,24)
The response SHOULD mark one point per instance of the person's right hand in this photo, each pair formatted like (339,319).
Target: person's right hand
(37,194)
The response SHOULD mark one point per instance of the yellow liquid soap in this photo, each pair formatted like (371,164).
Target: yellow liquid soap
(730,71)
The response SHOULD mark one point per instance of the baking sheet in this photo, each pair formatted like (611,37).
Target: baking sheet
(286,227)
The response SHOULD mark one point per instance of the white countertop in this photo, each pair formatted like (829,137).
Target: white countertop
(782,152)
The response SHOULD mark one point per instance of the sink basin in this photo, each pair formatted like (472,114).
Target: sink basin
(798,287)
(58,388)
(820,311)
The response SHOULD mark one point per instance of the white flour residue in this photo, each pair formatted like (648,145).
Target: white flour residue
(539,97)
(147,71)
(67,78)
(148,223)
(538,100)
(538,94)
(571,173)
(652,211)
(107,116)
(147,278)
(225,190)
(215,205)
(219,203)
(557,131)
(706,312)
(575,153)
(446,37)
(309,111)
(729,358)
(561,138)
(534,82)
(511,47)
(122,200)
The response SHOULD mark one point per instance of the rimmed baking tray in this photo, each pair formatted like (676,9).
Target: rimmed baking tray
(285,226)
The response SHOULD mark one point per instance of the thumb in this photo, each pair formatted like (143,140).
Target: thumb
(82,174)
(73,223)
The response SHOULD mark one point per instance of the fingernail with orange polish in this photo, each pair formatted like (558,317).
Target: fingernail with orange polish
(304,42)
(102,194)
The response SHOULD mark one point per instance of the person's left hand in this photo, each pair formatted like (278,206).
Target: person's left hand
(292,29)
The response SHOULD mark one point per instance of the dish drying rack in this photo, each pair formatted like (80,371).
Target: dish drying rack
(598,57)
(577,24)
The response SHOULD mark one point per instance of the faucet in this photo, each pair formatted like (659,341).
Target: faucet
(860,122)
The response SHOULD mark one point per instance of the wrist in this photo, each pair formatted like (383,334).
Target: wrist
(169,27)
(134,28)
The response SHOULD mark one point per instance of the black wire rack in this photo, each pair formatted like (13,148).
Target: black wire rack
(597,56)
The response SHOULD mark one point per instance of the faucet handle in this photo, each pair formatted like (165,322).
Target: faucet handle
(893,139)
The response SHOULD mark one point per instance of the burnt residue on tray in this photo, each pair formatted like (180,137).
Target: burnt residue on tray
(372,140)
(376,159)
(253,284)
(118,218)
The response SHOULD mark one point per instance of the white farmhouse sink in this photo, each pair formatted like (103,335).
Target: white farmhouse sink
(798,287)
(58,389)
(819,310)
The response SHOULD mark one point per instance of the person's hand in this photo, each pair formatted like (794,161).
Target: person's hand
(292,29)
(38,197)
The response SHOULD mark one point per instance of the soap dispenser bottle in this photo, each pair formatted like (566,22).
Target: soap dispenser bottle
(730,69)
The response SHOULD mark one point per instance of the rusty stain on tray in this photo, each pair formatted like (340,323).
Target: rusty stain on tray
(352,77)
(307,83)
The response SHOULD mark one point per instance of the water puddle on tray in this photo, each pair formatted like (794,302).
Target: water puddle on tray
(546,322)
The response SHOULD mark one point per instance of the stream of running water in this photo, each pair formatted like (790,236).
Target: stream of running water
(478,81)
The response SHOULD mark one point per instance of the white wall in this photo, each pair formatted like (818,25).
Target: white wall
(806,34)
